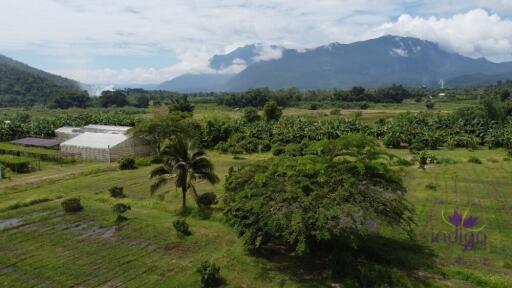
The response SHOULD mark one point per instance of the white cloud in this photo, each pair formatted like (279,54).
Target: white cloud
(266,53)
(475,33)
(76,31)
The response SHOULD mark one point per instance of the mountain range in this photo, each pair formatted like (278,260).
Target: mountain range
(372,63)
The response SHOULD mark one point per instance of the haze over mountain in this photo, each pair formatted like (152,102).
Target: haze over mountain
(20,80)
(372,63)
(191,83)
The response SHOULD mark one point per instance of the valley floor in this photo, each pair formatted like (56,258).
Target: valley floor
(44,247)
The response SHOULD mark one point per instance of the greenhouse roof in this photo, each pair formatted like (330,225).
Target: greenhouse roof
(36,142)
(95,140)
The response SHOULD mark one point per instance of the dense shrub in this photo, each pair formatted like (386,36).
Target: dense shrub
(119,209)
(210,274)
(142,161)
(72,205)
(474,160)
(207,199)
(271,111)
(127,164)
(16,164)
(181,227)
(278,149)
(293,150)
(431,186)
(251,115)
(307,202)
(116,192)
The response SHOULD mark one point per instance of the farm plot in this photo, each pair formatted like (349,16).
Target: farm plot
(483,191)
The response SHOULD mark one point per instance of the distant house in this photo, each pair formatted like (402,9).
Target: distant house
(101,142)
(441,95)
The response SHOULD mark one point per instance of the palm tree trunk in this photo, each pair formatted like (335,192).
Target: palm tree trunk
(183,198)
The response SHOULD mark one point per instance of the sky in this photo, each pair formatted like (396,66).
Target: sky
(150,41)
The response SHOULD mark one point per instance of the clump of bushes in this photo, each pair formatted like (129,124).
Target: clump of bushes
(278,150)
(142,162)
(314,106)
(207,199)
(15,163)
(119,209)
(431,186)
(71,205)
(182,227)
(127,164)
(210,274)
(116,192)
(474,160)
(293,150)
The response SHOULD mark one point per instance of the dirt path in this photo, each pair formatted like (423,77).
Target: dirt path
(44,179)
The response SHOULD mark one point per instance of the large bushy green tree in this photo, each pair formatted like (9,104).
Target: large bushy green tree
(306,203)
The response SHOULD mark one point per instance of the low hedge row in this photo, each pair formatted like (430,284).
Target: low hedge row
(16,164)
(33,152)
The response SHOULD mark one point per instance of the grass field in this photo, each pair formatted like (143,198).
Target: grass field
(43,247)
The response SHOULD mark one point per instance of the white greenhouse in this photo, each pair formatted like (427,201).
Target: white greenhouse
(100,142)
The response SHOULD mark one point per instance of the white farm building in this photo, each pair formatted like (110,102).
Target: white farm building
(100,142)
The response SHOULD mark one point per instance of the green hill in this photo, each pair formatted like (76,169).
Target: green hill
(22,84)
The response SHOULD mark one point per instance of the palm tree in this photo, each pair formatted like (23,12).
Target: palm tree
(185,163)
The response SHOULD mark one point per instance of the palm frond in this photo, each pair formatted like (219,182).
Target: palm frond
(160,170)
(157,184)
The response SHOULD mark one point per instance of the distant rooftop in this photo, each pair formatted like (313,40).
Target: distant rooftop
(95,140)
(36,142)
(107,128)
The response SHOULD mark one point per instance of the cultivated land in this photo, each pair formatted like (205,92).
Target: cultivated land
(44,247)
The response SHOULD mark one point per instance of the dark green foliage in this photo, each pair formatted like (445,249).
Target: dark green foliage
(462,141)
(417,146)
(16,164)
(127,163)
(21,85)
(185,163)
(314,106)
(431,186)
(307,202)
(181,104)
(271,111)
(116,192)
(69,99)
(251,115)
(142,101)
(278,150)
(207,199)
(293,150)
(181,227)
(425,158)
(113,98)
(71,205)
(215,131)
(364,106)
(210,274)
(429,104)
(119,209)
(19,125)
(474,160)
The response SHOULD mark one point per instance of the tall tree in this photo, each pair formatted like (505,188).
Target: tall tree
(184,163)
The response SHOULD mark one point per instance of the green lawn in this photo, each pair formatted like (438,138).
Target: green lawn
(43,247)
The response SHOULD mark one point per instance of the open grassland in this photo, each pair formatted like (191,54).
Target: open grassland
(44,247)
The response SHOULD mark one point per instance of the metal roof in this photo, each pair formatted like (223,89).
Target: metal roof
(37,142)
(95,140)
